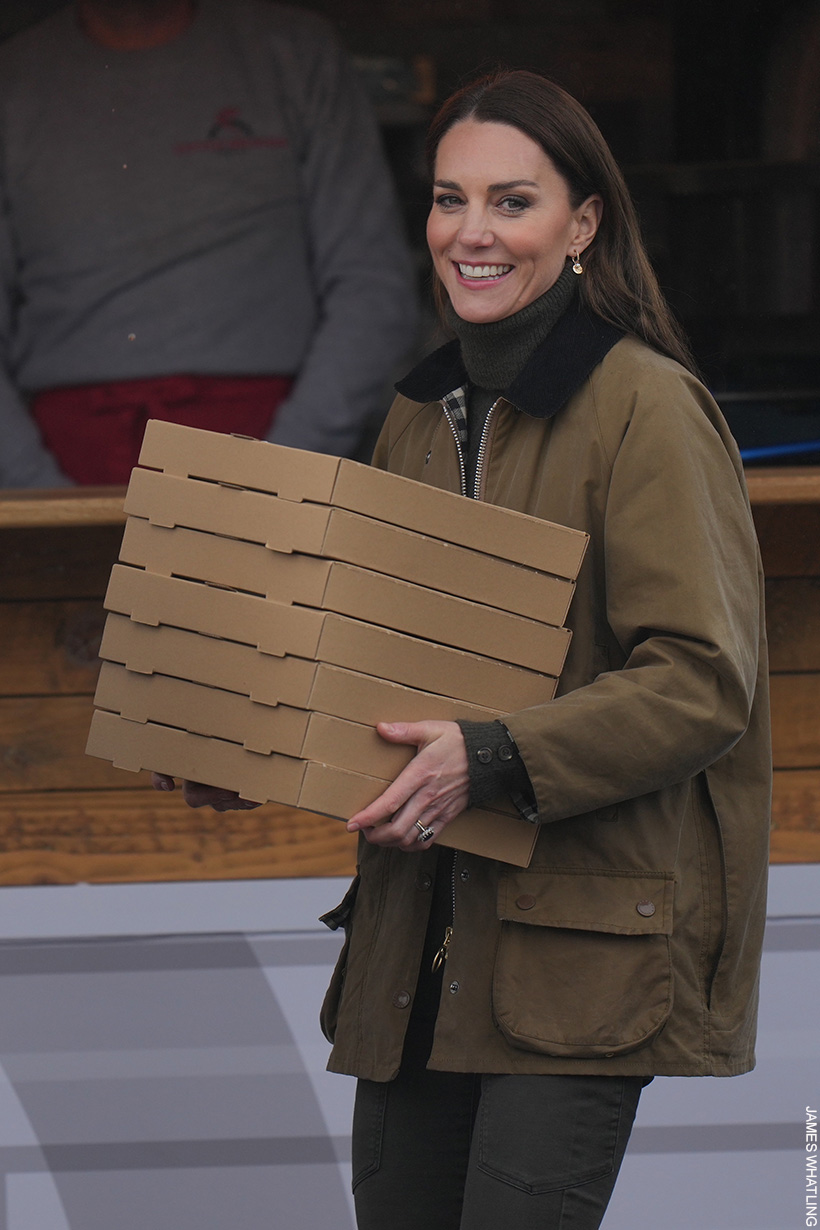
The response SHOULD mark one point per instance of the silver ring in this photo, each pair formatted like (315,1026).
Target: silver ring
(425,834)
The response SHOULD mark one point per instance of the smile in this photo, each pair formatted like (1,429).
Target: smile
(478,272)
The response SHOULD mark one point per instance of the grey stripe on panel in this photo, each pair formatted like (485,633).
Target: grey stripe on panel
(132,954)
(158,953)
(152,1062)
(321,949)
(175,1154)
(310,1150)
(792,935)
(717,1138)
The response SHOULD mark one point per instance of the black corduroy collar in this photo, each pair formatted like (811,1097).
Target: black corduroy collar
(555,370)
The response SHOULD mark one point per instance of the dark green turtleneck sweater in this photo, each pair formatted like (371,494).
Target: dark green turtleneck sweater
(494,354)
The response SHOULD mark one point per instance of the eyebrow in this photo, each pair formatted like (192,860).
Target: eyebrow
(504,187)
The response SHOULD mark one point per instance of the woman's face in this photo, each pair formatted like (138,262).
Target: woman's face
(502,224)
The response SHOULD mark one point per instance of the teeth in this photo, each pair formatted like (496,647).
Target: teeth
(483,271)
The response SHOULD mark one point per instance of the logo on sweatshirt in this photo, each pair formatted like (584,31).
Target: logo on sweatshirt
(229,134)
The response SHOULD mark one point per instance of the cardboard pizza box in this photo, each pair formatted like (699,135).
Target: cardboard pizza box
(286,627)
(309,785)
(281,630)
(218,527)
(138,746)
(300,476)
(482,831)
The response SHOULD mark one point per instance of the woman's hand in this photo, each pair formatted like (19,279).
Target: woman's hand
(196,794)
(433,789)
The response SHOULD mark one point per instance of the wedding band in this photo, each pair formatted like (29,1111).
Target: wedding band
(425,834)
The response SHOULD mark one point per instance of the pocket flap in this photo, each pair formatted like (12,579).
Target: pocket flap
(618,902)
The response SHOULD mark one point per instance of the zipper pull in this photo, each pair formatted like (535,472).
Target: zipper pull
(441,955)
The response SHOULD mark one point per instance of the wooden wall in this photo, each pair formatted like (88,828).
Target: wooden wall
(66,817)
(786,506)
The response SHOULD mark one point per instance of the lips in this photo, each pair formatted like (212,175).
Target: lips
(478,273)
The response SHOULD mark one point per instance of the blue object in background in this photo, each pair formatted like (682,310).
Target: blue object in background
(780,450)
(779,427)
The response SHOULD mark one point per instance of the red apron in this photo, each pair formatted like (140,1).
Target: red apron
(95,430)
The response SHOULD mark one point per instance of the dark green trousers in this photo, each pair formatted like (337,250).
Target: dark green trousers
(456,1151)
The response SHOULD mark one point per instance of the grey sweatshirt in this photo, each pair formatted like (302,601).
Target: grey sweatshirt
(219,204)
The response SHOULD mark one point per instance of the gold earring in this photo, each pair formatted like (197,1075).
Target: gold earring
(577,267)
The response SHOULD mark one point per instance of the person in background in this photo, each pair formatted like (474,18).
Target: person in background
(196,223)
(502,1022)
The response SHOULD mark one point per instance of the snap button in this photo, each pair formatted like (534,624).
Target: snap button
(646,908)
(453,988)
(484,754)
(401,999)
(465,874)
(424,881)
(505,752)
(526,901)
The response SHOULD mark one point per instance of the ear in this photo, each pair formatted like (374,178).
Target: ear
(587,220)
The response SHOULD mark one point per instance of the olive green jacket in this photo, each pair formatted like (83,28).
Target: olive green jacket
(632,942)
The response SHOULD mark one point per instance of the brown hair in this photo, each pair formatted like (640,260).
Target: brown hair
(618,282)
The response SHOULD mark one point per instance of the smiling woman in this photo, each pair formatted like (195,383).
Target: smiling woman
(503,1022)
(499,243)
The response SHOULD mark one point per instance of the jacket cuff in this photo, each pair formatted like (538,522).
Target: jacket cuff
(493,762)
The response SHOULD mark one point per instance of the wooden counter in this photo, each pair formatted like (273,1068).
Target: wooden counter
(67,817)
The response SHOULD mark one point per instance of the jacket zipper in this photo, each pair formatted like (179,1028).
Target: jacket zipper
(482,450)
(462,468)
(441,955)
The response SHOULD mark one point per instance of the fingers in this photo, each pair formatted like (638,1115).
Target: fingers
(418,734)
(384,808)
(414,822)
(196,794)
(430,792)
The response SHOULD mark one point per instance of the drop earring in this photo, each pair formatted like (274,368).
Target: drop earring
(577,267)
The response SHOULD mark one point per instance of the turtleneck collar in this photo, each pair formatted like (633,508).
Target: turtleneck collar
(495,353)
(554,372)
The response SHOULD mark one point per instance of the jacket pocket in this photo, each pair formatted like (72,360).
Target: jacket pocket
(340,916)
(583,966)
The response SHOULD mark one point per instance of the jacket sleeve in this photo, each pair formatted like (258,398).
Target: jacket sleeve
(682,601)
(24,461)
(361,264)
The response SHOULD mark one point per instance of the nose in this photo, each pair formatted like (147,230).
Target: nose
(475,230)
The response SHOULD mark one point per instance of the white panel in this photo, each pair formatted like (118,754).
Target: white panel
(33,1203)
(209,907)
(708,1191)
(298,991)
(794,890)
(15,1127)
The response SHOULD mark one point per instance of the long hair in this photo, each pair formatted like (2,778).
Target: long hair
(618,282)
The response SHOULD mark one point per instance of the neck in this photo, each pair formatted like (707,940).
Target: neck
(134,25)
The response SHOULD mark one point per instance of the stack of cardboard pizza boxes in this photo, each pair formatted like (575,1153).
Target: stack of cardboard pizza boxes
(271,605)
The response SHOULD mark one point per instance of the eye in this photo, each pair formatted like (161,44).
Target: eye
(514,204)
(447,200)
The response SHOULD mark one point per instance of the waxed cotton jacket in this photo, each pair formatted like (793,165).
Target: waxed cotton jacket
(631,944)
